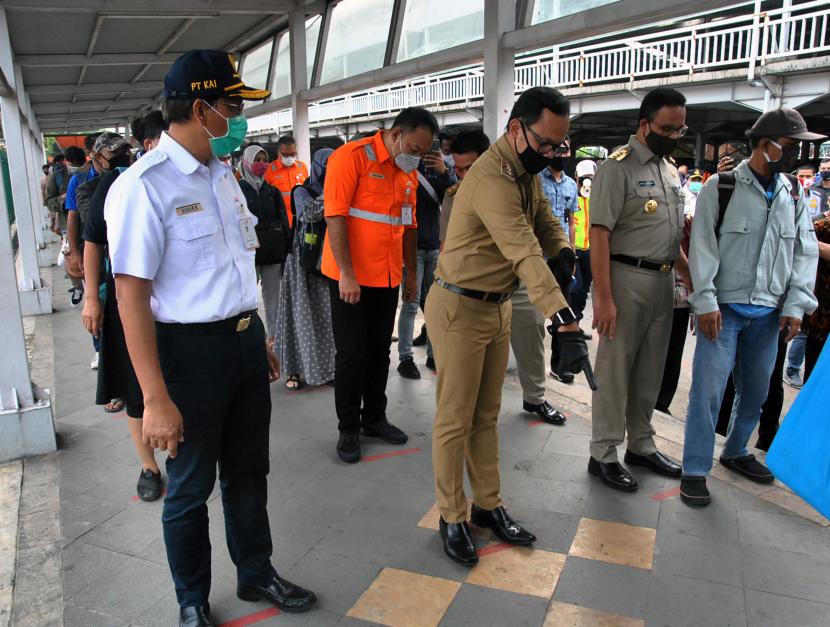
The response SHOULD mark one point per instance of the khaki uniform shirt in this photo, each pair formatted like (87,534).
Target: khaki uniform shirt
(501,222)
(638,197)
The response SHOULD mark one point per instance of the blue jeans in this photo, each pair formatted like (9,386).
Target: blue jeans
(747,348)
(427,260)
(795,356)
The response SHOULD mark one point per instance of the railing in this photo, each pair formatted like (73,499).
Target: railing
(749,41)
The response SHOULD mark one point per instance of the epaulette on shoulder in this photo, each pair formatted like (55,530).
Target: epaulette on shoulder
(150,159)
(672,161)
(620,154)
(506,170)
(452,189)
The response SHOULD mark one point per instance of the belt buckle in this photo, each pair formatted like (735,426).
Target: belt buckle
(243,323)
(665,267)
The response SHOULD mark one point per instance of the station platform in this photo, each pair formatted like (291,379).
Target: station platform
(364,537)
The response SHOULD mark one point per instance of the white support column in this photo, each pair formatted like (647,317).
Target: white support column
(499,18)
(32,167)
(299,83)
(35,298)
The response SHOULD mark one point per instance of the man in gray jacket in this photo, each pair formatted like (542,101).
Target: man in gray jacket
(753,259)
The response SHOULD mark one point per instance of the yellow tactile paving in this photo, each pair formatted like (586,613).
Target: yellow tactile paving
(430,520)
(403,599)
(567,615)
(519,570)
(617,543)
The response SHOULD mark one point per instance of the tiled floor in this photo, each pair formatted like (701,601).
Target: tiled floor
(363,536)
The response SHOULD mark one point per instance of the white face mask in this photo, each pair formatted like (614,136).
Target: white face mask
(404,161)
(288,161)
(449,161)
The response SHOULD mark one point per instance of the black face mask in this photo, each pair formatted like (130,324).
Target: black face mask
(825,175)
(532,161)
(119,161)
(557,163)
(789,155)
(661,145)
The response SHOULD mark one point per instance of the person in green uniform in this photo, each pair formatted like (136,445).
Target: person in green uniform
(636,224)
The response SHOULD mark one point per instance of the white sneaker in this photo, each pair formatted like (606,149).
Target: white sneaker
(94,363)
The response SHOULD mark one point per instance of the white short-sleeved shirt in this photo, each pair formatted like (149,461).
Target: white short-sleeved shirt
(175,221)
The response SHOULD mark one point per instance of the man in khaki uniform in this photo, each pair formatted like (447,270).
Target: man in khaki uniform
(636,223)
(499,227)
(527,325)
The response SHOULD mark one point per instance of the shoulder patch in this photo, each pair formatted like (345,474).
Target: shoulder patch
(620,154)
(507,170)
(672,161)
(452,189)
(152,158)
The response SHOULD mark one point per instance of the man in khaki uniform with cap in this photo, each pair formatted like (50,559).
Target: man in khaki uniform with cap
(636,222)
(500,224)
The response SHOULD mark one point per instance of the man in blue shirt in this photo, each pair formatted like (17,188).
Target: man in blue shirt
(561,192)
(74,258)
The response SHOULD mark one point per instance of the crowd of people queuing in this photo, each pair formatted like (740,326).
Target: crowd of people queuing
(500,245)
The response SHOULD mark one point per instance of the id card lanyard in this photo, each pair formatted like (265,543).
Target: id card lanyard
(407,210)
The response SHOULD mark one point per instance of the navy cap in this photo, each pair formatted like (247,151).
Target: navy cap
(208,74)
(782,123)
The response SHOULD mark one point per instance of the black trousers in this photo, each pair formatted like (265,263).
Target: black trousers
(362,334)
(770,410)
(579,295)
(811,355)
(219,382)
(674,358)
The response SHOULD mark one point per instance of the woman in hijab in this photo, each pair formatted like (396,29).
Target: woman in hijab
(306,347)
(272,229)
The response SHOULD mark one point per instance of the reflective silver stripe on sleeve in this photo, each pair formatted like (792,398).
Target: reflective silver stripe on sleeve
(382,218)
(370,152)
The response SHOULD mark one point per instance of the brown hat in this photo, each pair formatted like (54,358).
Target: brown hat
(782,123)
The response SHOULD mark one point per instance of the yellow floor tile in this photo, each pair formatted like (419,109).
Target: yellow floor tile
(430,521)
(403,599)
(520,570)
(617,543)
(567,615)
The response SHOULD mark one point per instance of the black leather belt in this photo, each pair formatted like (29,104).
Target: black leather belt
(235,324)
(487,297)
(657,266)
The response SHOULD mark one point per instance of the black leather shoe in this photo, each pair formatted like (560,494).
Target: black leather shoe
(386,432)
(408,370)
(458,543)
(546,412)
(586,336)
(749,467)
(348,447)
(421,340)
(657,462)
(504,527)
(613,474)
(564,377)
(198,616)
(285,595)
(430,363)
(693,491)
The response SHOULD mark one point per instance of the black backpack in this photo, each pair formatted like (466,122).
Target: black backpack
(726,186)
(309,226)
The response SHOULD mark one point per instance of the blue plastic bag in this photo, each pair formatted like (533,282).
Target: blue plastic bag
(800,453)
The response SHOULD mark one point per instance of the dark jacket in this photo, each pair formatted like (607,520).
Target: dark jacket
(272,228)
(428,210)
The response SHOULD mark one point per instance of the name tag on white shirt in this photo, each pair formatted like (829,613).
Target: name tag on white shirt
(188,209)
(249,236)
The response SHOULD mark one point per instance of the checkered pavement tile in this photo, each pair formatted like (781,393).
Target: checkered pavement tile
(403,599)
(617,543)
(519,570)
(567,615)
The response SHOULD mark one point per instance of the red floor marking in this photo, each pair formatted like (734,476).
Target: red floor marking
(135,498)
(494,548)
(406,451)
(119,415)
(251,619)
(535,423)
(662,496)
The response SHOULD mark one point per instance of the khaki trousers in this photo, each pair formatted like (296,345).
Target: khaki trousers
(527,337)
(470,341)
(629,368)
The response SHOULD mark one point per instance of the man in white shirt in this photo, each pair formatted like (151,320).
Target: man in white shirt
(182,244)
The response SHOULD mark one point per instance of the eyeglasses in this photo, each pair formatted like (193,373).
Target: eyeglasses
(668,131)
(234,108)
(546,146)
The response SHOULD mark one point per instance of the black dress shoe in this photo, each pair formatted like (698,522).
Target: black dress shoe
(546,412)
(693,491)
(749,467)
(386,432)
(564,377)
(421,340)
(613,474)
(408,370)
(285,595)
(348,447)
(657,462)
(430,363)
(458,543)
(504,527)
(198,616)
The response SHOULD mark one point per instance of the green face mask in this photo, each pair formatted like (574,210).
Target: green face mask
(232,139)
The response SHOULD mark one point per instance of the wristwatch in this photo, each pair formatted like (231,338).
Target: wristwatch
(564,317)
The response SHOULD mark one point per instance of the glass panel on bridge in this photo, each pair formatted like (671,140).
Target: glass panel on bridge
(432,25)
(255,65)
(357,38)
(545,10)
(282,68)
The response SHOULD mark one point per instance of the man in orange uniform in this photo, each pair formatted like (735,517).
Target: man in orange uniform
(286,171)
(370,192)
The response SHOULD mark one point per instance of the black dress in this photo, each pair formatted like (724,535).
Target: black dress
(116,377)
